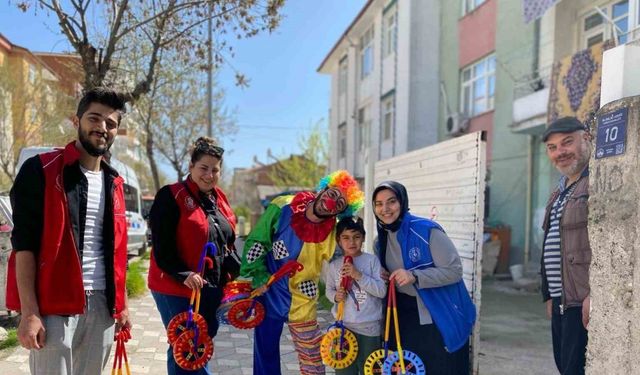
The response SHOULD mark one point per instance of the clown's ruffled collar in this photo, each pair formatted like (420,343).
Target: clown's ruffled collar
(305,229)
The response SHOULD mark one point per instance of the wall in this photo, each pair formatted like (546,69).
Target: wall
(477,31)
(514,57)
(614,186)
(449,59)
(424,84)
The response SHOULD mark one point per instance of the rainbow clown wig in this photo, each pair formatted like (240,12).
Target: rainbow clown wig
(349,188)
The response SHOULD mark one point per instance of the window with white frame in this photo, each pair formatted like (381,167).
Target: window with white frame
(595,28)
(390,33)
(366,53)
(364,121)
(469,6)
(387,117)
(342,141)
(478,86)
(342,76)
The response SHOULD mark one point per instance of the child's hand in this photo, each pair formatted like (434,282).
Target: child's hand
(350,270)
(384,275)
(340,294)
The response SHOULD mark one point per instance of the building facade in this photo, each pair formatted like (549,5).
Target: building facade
(570,34)
(35,104)
(406,74)
(384,84)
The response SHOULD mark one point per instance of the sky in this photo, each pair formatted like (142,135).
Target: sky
(286,95)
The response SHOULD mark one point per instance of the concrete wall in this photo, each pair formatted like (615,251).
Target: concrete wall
(424,84)
(614,235)
(449,72)
(514,55)
(514,50)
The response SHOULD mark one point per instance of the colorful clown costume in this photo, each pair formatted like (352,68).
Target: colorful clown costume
(284,233)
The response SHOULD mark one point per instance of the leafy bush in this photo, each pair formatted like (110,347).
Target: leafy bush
(11,340)
(136,283)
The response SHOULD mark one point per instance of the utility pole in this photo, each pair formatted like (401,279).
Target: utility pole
(210,73)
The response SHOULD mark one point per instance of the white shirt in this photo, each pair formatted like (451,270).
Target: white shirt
(93,272)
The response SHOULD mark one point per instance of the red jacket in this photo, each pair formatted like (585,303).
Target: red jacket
(59,286)
(192,234)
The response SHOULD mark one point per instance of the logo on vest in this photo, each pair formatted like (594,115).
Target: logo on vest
(116,203)
(189,203)
(414,254)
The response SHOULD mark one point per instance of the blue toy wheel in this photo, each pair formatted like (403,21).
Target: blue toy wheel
(412,363)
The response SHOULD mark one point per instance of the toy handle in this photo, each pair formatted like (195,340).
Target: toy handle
(345,281)
(288,269)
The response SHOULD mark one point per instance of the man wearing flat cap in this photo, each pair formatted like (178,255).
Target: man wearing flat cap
(566,253)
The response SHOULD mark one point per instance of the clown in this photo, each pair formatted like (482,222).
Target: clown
(300,227)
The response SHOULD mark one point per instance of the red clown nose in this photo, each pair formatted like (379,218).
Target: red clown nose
(330,204)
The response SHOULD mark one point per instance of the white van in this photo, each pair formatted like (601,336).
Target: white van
(136,225)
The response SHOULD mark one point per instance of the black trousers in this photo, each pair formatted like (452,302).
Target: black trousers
(426,341)
(569,339)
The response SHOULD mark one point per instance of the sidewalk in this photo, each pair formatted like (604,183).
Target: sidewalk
(515,339)
(147,350)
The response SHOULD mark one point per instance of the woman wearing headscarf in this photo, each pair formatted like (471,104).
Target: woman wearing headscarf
(435,311)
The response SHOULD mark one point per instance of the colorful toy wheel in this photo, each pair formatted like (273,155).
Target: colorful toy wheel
(190,355)
(412,364)
(222,313)
(374,362)
(240,316)
(178,325)
(336,351)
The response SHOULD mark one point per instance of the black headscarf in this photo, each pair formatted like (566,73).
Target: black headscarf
(401,194)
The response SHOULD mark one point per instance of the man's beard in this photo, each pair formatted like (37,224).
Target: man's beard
(90,148)
(318,214)
(582,159)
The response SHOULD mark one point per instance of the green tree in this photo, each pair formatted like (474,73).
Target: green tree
(306,169)
(33,112)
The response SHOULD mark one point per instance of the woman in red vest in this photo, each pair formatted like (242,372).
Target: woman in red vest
(184,217)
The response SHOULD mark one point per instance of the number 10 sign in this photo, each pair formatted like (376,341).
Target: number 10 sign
(612,134)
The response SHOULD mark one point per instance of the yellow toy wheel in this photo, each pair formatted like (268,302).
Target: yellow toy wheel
(337,352)
(374,363)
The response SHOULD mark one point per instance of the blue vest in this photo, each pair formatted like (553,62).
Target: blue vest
(450,306)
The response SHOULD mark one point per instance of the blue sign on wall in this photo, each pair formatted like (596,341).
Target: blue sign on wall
(612,134)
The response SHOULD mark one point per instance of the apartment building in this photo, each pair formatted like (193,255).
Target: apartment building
(34,105)
(384,84)
(564,79)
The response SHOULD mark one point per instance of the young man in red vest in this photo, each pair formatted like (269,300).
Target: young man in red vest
(67,269)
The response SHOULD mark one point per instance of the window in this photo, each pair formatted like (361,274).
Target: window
(32,74)
(366,53)
(469,6)
(364,122)
(342,141)
(478,86)
(387,117)
(390,34)
(130,198)
(595,28)
(342,76)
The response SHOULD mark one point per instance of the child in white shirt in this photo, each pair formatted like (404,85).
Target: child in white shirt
(363,302)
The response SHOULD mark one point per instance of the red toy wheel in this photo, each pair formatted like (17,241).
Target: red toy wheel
(239,316)
(192,356)
(178,325)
